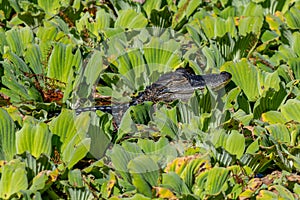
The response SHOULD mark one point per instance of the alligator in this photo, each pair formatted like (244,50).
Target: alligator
(179,84)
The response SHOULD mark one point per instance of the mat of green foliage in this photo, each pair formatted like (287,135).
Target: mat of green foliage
(241,142)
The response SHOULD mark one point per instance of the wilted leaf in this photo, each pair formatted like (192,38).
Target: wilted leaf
(265,194)
(164,193)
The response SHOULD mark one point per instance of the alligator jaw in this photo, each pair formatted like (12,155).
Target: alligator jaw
(213,81)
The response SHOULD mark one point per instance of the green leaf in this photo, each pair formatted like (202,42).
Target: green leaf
(141,114)
(217,27)
(82,194)
(257,162)
(250,25)
(252,9)
(47,33)
(235,144)
(75,151)
(18,39)
(172,181)
(98,131)
(18,87)
(211,182)
(150,5)
(160,18)
(296,188)
(127,125)
(292,17)
(100,23)
(63,62)
(164,119)
(7,136)
(273,117)
(72,139)
(216,179)
(269,36)
(219,138)
(16,63)
(7,8)
(186,115)
(87,79)
(265,194)
(294,64)
(280,133)
(39,182)
(132,66)
(290,110)
(122,155)
(109,187)
(271,100)
(38,166)
(243,117)
(162,55)
(13,179)
(269,80)
(33,56)
(131,19)
(253,147)
(145,174)
(161,151)
(64,127)
(283,192)
(34,138)
(245,76)
(75,178)
(185,9)
(50,7)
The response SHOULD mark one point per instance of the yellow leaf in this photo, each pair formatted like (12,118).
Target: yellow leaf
(164,193)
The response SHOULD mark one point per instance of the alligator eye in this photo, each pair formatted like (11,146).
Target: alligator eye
(226,74)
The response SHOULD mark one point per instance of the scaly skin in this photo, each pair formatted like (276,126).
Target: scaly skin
(179,84)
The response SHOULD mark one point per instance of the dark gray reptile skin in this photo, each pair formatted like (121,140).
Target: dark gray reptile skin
(179,84)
